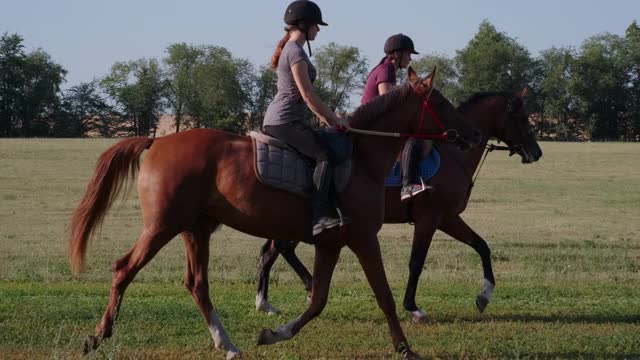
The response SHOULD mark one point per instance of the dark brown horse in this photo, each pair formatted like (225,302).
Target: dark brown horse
(192,182)
(497,115)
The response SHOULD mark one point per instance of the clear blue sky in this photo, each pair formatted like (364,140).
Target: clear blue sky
(88,36)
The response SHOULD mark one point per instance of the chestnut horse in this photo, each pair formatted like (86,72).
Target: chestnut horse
(192,182)
(497,115)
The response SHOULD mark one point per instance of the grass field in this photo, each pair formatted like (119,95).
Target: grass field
(565,236)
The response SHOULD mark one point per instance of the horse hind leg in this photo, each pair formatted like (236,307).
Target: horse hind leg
(124,271)
(268,255)
(288,251)
(197,282)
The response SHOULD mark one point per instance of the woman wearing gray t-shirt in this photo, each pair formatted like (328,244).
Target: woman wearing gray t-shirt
(284,115)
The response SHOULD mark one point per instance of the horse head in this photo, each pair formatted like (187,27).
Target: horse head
(515,130)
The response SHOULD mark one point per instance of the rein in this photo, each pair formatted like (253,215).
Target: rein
(448,135)
(488,148)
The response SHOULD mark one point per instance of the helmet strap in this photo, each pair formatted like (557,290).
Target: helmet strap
(304,27)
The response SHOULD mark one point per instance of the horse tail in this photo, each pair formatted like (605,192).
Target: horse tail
(115,169)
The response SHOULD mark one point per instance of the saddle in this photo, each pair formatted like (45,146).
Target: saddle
(280,166)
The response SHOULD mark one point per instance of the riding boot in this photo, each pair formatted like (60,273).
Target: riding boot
(411,156)
(324,215)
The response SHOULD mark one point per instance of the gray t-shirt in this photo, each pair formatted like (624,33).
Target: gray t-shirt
(288,105)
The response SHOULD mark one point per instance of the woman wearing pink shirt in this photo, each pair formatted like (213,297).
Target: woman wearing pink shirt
(382,79)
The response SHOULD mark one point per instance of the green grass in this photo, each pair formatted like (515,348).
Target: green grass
(564,234)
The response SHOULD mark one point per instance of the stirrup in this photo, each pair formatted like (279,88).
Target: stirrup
(344,220)
(415,190)
(324,223)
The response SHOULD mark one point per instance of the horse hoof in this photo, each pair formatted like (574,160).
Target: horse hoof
(90,343)
(407,353)
(235,354)
(273,311)
(419,317)
(410,355)
(266,307)
(266,337)
(481,303)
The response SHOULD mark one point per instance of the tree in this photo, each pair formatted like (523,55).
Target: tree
(12,58)
(209,85)
(492,61)
(220,98)
(556,98)
(138,88)
(599,85)
(180,62)
(341,71)
(84,110)
(261,91)
(631,63)
(40,93)
(29,89)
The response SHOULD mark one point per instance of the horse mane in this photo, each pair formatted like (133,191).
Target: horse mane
(473,99)
(379,105)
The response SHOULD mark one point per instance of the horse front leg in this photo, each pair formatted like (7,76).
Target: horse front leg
(423,232)
(368,253)
(197,282)
(325,263)
(459,230)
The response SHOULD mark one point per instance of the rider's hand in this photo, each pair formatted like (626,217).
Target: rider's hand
(341,122)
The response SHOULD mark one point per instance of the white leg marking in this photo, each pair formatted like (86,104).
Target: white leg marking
(419,316)
(220,336)
(263,305)
(259,300)
(487,290)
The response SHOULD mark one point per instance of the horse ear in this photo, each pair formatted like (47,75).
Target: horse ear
(428,82)
(411,75)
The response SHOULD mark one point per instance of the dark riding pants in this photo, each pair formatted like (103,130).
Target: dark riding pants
(302,138)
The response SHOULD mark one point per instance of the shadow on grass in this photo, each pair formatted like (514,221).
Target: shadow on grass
(561,319)
(580,355)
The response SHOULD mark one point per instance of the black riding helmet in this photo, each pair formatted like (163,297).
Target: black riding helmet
(303,10)
(399,42)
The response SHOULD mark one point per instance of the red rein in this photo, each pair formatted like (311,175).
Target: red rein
(419,135)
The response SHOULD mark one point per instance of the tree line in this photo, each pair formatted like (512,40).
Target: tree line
(586,93)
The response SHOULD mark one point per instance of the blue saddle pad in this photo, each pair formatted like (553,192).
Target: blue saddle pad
(427,168)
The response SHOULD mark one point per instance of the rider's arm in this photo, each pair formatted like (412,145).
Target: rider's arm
(384,87)
(301,76)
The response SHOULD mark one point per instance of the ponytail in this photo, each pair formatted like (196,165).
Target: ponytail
(276,55)
(380,63)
